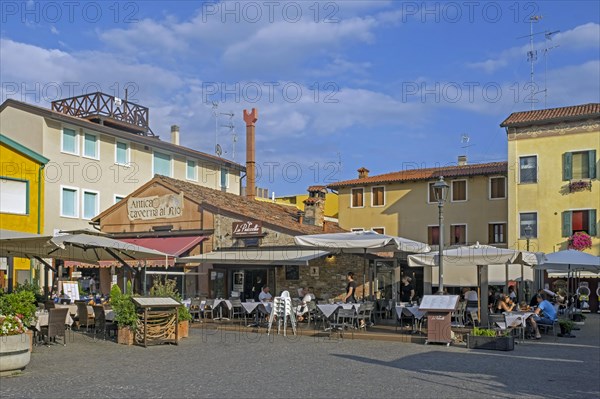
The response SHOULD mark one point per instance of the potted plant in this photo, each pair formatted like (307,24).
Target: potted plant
(580,185)
(483,338)
(125,315)
(14,344)
(580,241)
(167,288)
(566,326)
(21,303)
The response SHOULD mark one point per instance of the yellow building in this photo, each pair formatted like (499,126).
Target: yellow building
(553,186)
(331,201)
(402,203)
(21,201)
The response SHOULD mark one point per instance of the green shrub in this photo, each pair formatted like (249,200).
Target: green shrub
(19,303)
(484,332)
(167,289)
(124,308)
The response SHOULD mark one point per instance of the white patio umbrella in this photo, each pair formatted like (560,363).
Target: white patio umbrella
(570,261)
(362,242)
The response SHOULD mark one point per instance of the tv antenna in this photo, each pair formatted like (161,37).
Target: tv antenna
(218,150)
(547,36)
(532,57)
(464,141)
(231,126)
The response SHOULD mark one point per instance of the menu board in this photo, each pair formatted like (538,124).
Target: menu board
(439,302)
(71,290)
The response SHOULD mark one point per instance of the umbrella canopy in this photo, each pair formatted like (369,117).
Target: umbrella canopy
(475,255)
(362,241)
(76,247)
(570,259)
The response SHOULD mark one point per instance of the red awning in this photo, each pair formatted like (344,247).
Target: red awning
(173,246)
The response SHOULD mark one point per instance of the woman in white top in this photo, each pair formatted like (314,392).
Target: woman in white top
(302,309)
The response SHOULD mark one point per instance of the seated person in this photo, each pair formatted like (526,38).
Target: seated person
(544,314)
(302,309)
(505,304)
(266,298)
(524,307)
(533,303)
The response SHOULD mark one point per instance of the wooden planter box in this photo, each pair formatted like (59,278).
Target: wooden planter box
(184,329)
(125,336)
(491,343)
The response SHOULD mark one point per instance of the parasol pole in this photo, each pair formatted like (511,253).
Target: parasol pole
(364,272)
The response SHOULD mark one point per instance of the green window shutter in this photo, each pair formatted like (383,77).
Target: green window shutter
(567,166)
(567,227)
(592,164)
(592,221)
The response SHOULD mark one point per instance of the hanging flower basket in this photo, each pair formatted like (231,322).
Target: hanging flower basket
(580,185)
(580,241)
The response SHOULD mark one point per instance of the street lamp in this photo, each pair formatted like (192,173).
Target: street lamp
(528,232)
(440,191)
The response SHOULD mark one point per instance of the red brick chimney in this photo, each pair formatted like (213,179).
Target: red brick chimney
(314,205)
(363,173)
(250,118)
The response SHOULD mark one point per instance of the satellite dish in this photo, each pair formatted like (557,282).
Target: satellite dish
(218,150)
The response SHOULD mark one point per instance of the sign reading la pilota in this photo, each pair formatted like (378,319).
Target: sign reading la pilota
(155,207)
(246,229)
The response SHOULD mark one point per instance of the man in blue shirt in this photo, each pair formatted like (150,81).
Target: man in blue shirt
(544,314)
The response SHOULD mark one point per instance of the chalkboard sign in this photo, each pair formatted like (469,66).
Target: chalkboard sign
(292,272)
(439,302)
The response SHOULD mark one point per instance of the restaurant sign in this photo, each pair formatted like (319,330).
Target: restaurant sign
(155,207)
(246,229)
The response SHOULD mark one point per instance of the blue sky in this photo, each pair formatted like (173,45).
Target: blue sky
(383,84)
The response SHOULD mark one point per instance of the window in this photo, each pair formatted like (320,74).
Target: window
(528,219)
(357,197)
(579,221)
(579,165)
(378,196)
(69,141)
(122,153)
(69,204)
(292,272)
(15,196)
(162,164)
(528,169)
(90,204)
(431,194)
(497,233)
(433,235)
(459,190)
(357,229)
(458,234)
(119,198)
(379,230)
(224,178)
(191,173)
(90,146)
(497,187)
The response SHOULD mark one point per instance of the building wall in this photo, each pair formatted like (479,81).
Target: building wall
(550,196)
(331,203)
(14,165)
(407,212)
(103,174)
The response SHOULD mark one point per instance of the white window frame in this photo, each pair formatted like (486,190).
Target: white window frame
(372,197)
(83,192)
(352,196)
(466,231)
(77,193)
(379,227)
(356,229)
(127,152)
(115,196)
(537,166)
(62,143)
(452,190)
(490,188)
(27,195)
(537,224)
(505,232)
(226,177)
(97,157)
(195,178)
(171,162)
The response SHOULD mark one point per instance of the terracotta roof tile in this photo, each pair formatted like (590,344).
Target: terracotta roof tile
(527,118)
(312,189)
(282,216)
(428,174)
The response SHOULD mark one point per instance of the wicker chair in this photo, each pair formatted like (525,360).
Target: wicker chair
(100,323)
(365,312)
(195,311)
(209,308)
(49,305)
(85,319)
(56,325)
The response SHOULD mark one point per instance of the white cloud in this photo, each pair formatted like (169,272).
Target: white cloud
(53,30)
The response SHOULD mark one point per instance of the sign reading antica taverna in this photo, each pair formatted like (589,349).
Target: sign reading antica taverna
(246,229)
(155,207)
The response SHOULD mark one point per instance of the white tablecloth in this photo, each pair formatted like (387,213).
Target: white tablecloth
(514,319)
(220,301)
(42,320)
(250,306)
(73,309)
(410,311)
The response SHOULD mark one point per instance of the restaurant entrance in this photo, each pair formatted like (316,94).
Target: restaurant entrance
(246,282)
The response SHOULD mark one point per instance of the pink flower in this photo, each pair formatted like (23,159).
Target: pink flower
(580,241)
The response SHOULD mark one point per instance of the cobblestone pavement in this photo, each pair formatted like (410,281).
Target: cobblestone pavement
(228,364)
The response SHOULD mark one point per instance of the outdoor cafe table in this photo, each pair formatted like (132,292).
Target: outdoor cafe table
(250,307)
(517,319)
(43,317)
(410,311)
(73,308)
(329,310)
